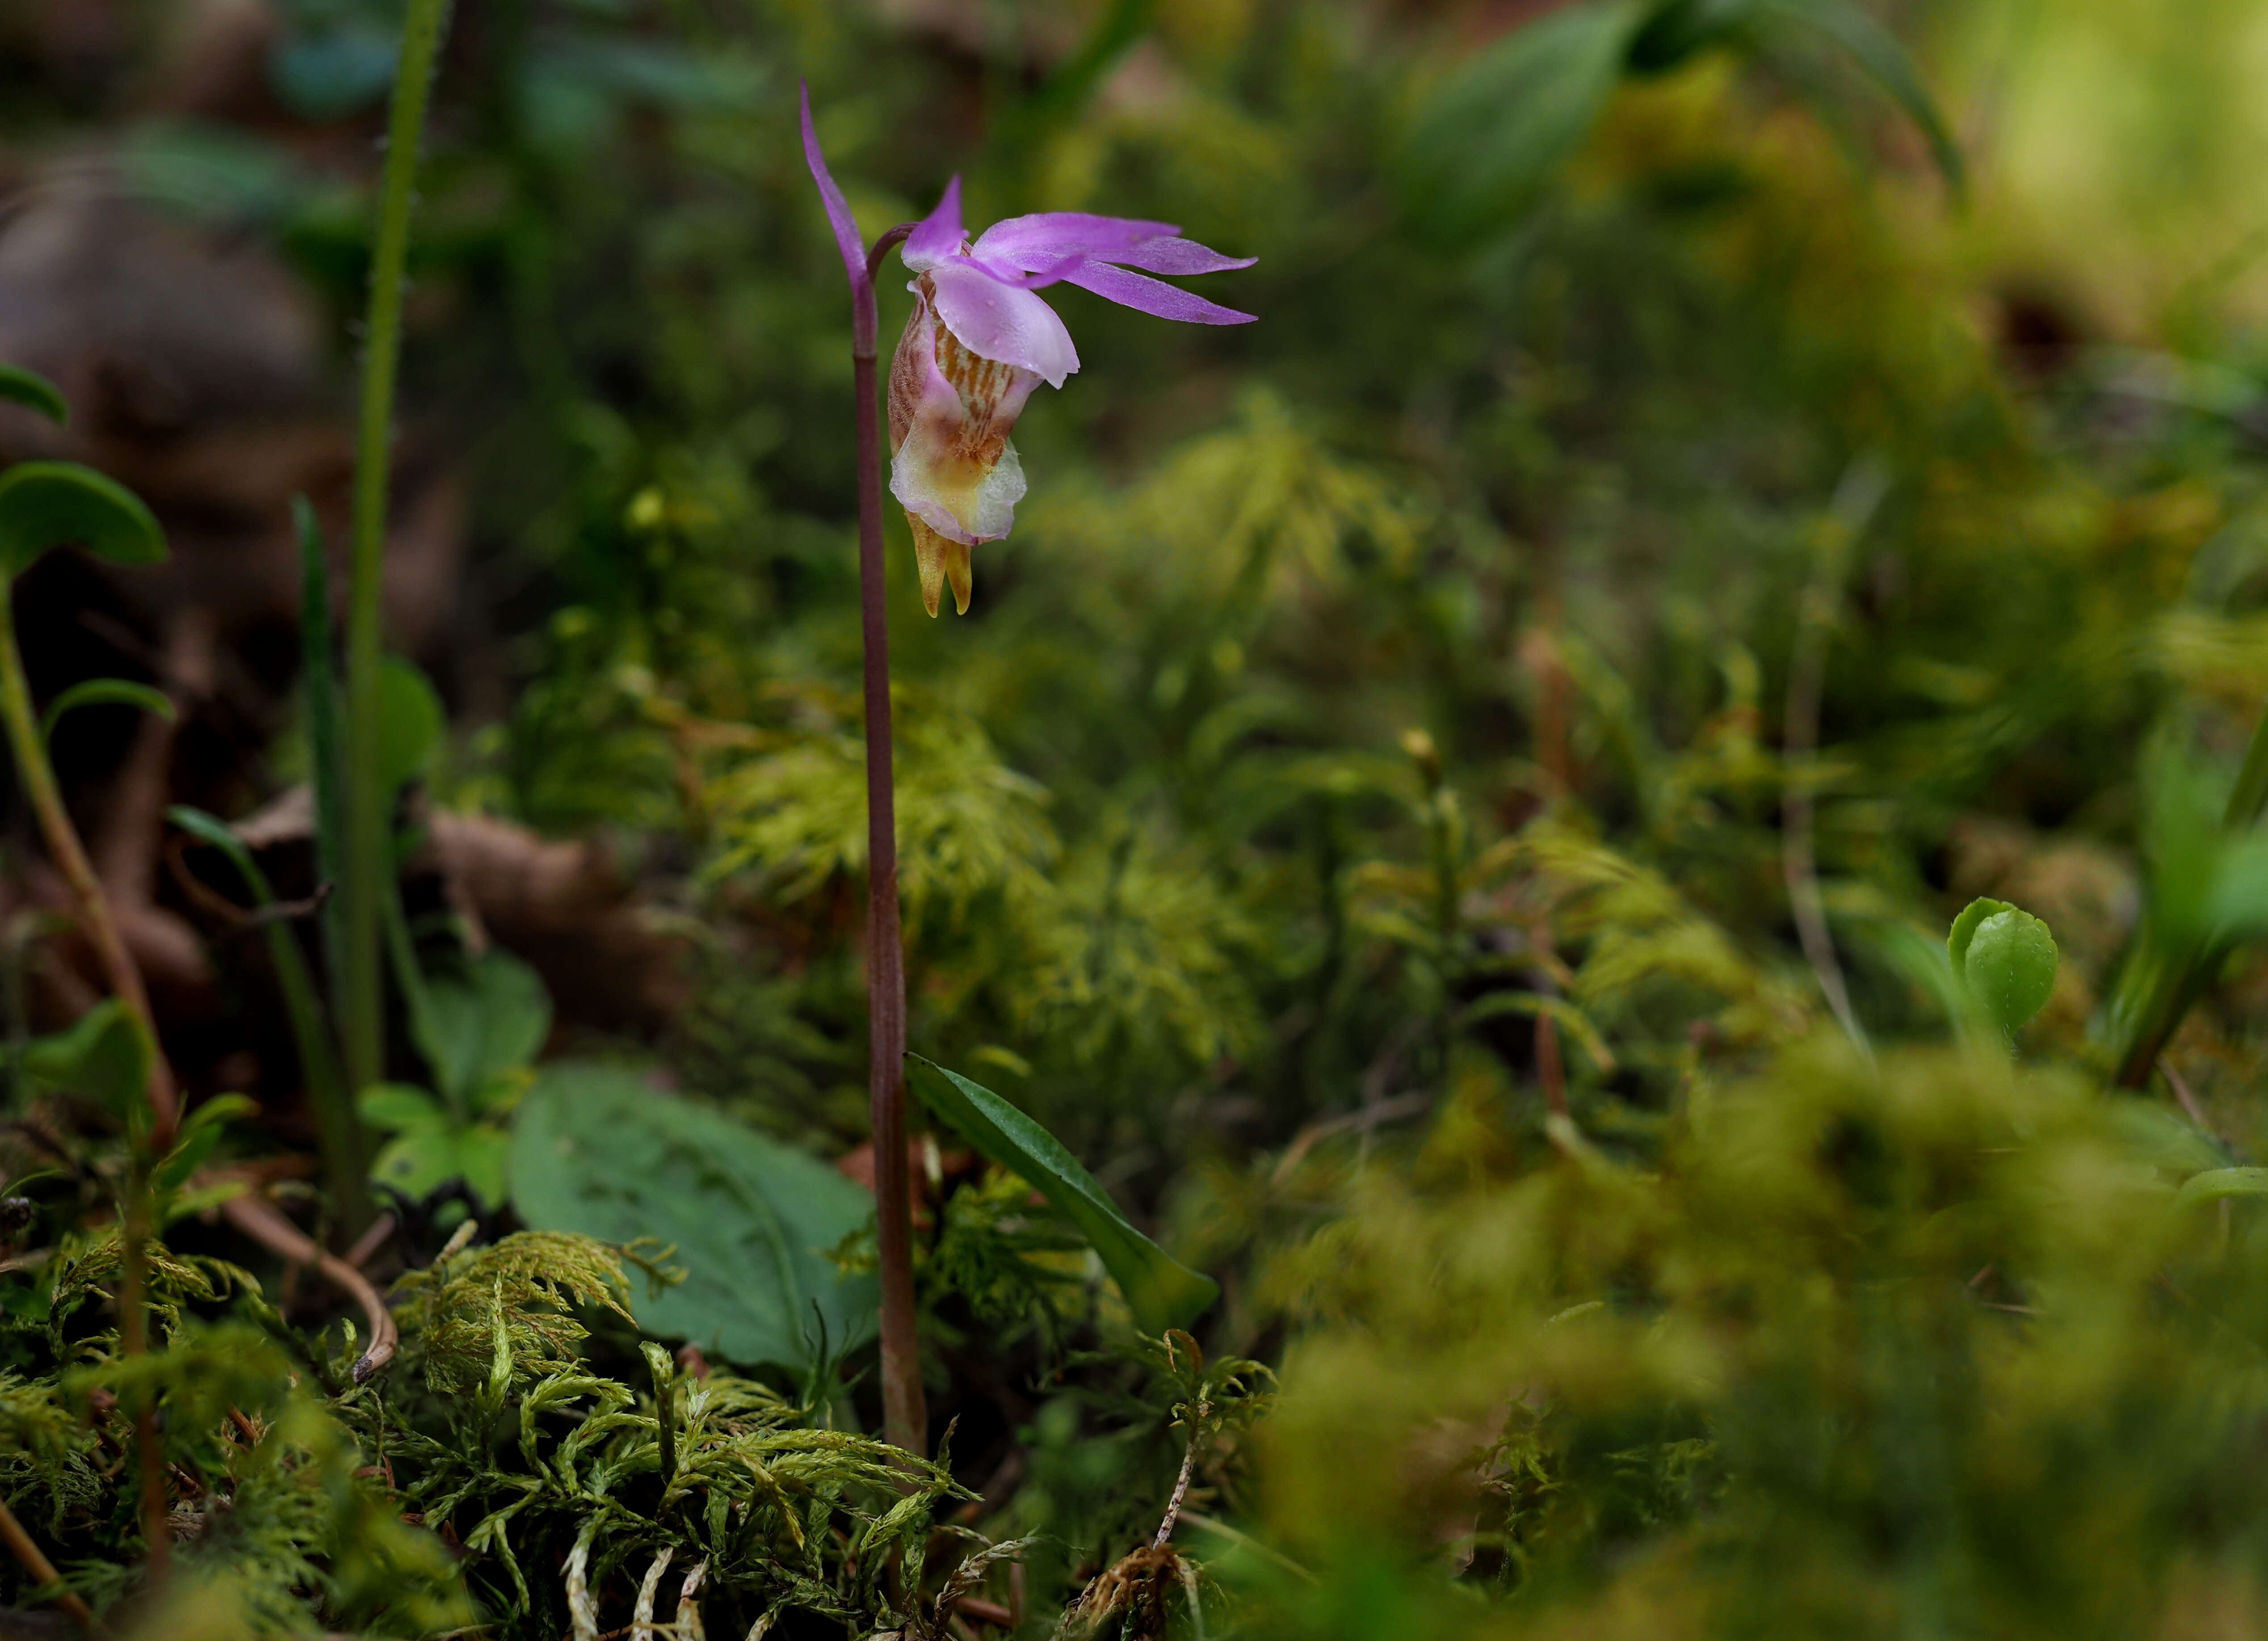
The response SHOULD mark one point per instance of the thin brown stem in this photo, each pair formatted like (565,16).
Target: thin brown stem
(889,242)
(43,1571)
(125,979)
(905,1420)
(70,855)
(1549,1069)
(265,1225)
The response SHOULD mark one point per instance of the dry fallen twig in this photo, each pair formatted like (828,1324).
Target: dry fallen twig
(262,1222)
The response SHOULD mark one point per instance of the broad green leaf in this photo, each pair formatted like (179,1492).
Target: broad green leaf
(1495,132)
(1885,62)
(1675,31)
(106,692)
(420,1161)
(18,385)
(488,1019)
(1161,1291)
(2163,1137)
(59,504)
(596,1150)
(395,1107)
(411,723)
(2233,902)
(484,1162)
(102,1056)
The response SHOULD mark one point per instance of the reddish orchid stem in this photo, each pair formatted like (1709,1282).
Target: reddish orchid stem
(905,1419)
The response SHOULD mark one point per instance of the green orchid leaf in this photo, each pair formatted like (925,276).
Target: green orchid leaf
(598,1150)
(1160,1290)
(18,385)
(58,503)
(1879,53)
(1497,130)
(1677,30)
(106,692)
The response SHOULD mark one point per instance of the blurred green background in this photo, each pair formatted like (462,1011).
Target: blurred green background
(1355,814)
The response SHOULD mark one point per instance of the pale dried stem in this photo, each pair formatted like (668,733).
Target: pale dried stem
(1856,499)
(265,1225)
(1180,1491)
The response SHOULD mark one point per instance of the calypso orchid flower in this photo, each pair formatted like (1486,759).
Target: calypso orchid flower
(980,339)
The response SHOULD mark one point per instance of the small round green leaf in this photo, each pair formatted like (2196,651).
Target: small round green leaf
(59,504)
(410,723)
(18,385)
(1964,930)
(2011,967)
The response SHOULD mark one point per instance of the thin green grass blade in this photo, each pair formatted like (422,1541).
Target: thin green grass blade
(105,692)
(1162,1291)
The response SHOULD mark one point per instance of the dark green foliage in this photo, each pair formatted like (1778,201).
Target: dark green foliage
(19,386)
(55,504)
(276,1510)
(535,1459)
(1869,1348)
(601,1151)
(1355,824)
(1160,1291)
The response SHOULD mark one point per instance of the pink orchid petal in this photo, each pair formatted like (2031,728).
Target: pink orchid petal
(1049,234)
(848,239)
(1054,271)
(940,234)
(1153,296)
(1179,256)
(998,321)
